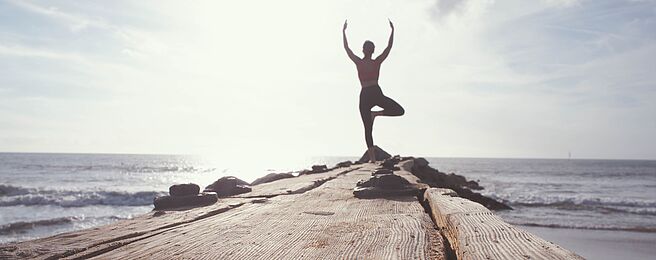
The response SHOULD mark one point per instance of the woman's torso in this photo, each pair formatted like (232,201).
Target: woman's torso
(368,72)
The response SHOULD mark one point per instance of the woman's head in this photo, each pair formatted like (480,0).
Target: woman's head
(368,48)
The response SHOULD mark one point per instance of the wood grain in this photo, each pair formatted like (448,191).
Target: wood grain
(319,218)
(326,222)
(474,232)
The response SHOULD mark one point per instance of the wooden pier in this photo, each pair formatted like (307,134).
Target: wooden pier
(313,216)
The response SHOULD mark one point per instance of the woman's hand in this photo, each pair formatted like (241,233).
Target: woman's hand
(345,24)
(390,22)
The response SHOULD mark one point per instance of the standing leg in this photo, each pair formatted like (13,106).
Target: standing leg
(368,122)
(365,113)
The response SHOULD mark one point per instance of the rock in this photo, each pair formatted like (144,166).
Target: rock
(184,189)
(473,185)
(228,186)
(385,181)
(457,183)
(319,168)
(379,153)
(405,158)
(480,199)
(315,169)
(420,163)
(382,171)
(396,159)
(344,164)
(384,185)
(456,180)
(171,202)
(271,177)
(388,164)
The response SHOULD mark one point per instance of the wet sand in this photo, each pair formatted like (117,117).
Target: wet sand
(601,244)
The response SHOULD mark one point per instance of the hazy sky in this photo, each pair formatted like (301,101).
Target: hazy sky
(506,78)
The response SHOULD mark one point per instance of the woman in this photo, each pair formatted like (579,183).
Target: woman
(371,95)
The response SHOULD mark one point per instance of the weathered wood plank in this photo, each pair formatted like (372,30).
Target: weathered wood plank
(474,232)
(325,222)
(98,239)
(103,236)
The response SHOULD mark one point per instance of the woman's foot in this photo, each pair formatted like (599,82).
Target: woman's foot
(372,154)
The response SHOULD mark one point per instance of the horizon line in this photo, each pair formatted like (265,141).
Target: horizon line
(432,156)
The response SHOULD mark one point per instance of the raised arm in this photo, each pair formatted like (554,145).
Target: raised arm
(346,47)
(386,52)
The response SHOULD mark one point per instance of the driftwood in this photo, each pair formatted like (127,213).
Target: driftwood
(311,216)
(474,232)
(319,219)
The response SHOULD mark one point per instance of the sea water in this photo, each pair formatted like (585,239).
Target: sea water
(583,194)
(47,194)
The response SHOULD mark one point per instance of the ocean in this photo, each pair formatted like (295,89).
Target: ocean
(46,194)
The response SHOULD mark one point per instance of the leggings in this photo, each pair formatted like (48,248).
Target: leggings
(373,96)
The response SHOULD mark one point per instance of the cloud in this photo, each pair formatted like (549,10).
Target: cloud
(562,3)
(446,7)
(477,78)
(75,22)
(137,43)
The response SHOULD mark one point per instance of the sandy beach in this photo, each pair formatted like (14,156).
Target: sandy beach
(601,244)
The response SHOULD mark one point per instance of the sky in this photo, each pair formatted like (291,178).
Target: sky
(477,78)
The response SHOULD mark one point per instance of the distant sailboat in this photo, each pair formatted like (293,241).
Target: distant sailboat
(569,155)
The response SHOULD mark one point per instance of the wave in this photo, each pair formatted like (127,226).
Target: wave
(620,205)
(25,226)
(611,228)
(570,205)
(14,196)
(116,167)
(8,190)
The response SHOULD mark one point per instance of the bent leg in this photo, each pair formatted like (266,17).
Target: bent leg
(390,107)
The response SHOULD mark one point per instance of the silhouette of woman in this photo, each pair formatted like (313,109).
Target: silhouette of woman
(371,95)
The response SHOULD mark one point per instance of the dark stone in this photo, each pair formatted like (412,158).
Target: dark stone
(388,164)
(396,159)
(315,169)
(171,202)
(480,199)
(473,185)
(420,163)
(344,164)
(457,183)
(271,177)
(319,168)
(379,153)
(184,189)
(457,180)
(382,171)
(385,181)
(228,186)
(384,184)
(405,158)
